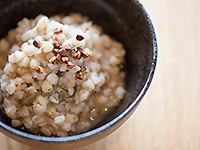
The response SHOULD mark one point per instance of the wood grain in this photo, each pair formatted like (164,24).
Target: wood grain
(169,116)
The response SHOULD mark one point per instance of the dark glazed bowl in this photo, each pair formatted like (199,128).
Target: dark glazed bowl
(126,21)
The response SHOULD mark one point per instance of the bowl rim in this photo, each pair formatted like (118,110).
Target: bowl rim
(107,126)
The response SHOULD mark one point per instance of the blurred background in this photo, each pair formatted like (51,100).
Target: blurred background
(169,115)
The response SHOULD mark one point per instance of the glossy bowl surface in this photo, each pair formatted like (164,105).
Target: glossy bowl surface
(124,20)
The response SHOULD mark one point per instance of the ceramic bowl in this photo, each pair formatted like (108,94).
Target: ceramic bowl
(124,20)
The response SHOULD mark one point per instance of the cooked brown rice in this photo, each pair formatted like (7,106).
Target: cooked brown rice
(61,74)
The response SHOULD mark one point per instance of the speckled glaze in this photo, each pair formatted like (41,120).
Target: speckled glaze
(127,22)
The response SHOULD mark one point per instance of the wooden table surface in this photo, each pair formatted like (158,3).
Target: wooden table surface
(169,115)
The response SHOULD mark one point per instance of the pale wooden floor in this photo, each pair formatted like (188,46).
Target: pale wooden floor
(169,116)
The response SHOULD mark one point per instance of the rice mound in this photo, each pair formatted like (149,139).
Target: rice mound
(62,75)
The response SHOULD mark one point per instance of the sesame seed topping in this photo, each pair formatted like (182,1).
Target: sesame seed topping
(58,30)
(65,59)
(78,55)
(58,57)
(73,53)
(53,60)
(83,68)
(62,52)
(79,37)
(70,65)
(37,43)
(56,44)
(55,51)
(79,76)
(84,54)
(39,69)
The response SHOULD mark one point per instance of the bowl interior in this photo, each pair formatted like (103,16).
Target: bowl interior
(123,20)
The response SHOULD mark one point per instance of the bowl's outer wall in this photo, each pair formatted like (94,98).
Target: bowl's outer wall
(127,22)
